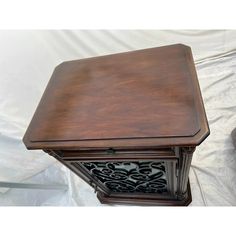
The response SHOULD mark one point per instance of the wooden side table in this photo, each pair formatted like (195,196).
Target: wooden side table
(127,123)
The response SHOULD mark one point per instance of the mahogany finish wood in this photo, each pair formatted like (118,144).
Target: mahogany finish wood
(136,106)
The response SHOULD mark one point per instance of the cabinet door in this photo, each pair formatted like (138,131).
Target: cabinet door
(156,177)
(129,172)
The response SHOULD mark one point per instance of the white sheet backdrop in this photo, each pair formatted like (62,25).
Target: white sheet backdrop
(26,62)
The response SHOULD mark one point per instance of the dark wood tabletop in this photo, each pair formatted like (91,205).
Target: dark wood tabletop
(148,97)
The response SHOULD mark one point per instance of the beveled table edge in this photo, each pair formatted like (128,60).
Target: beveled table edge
(121,143)
(193,140)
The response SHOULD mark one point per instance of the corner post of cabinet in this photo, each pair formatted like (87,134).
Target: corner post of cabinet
(184,163)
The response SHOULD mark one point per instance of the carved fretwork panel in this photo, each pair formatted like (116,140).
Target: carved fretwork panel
(130,177)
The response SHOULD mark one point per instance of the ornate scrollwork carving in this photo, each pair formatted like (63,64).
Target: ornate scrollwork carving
(143,177)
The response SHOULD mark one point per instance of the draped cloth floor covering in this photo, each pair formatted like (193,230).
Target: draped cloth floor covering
(26,63)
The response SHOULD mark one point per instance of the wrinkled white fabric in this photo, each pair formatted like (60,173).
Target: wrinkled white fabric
(26,64)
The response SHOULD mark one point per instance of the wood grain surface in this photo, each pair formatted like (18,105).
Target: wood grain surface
(148,97)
